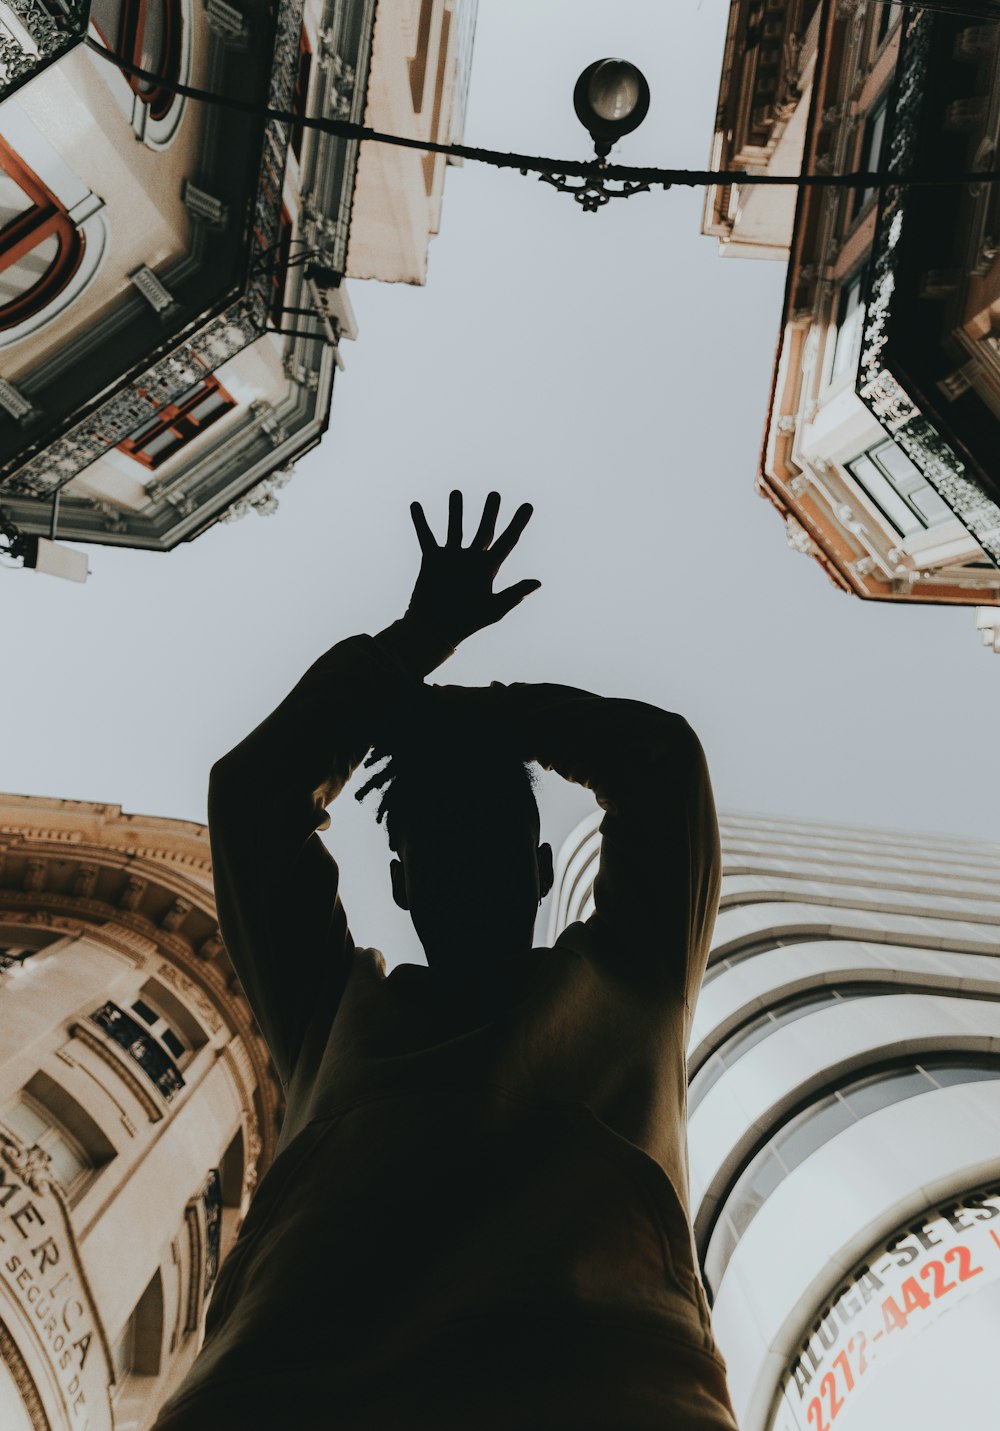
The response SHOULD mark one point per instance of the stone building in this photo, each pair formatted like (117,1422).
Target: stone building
(138,1109)
(844,1120)
(174,273)
(882,442)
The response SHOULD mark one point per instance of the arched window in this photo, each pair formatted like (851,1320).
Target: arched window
(40,246)
(145,33)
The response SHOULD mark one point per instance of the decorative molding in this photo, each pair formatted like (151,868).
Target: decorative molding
(119,1060)
(12,399)
(196,1255)
(170,974)
(156,293)
(12,1359)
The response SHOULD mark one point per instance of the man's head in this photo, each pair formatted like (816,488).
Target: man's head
(463,824)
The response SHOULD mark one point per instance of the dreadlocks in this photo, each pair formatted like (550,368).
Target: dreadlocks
(414,752)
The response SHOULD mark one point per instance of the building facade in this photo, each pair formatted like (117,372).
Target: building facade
(882,442)
(844,1119)
(138,1110)
(173,272)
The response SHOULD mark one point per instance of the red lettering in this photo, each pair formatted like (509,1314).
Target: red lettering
(937,1270)
(862,1359)
(816,1414)
(893,1316)
(914,1296)
(841,1360)
(829,1386)
(965,1269)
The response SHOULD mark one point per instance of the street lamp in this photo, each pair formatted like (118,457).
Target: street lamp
(611,98)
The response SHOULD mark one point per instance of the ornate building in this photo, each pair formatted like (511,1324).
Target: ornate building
(844,1107)
(138,1109)
(172,272)
(882,442)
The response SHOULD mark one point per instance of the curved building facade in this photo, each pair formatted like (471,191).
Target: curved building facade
(138,1109)
(844,1120)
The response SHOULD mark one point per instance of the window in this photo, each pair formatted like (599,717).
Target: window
(164,1028)
(279,269)
(46,1116)
(887,17)
(300,98)
(177,422)
(138,1348)
(869,158)
(761,1026)
(803,1134)
(145,33)
(899,489)
(850,324)
(40,246)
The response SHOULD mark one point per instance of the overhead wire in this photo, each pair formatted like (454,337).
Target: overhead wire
(536,164)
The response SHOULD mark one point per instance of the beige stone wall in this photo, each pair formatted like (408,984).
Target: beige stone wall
(97,907)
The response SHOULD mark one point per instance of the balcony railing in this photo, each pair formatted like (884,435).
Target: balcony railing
(141,1047)
(33,33)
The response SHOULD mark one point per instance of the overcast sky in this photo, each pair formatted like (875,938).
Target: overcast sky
(614,370)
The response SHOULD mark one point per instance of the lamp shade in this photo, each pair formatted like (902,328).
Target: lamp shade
(611,98)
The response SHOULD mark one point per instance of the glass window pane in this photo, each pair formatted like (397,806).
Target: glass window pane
(154,33)
(754,1032)
(882,1089)
(804,1135)
(704,1079)
(145,1012)
(24,1120)
(852,317)
(949,1073)
(173,1042)
(161,443)
(753,1189)
(882,494)
(67,1161)
(897,466)
(205,409)
(13,199)
(720,1250)
(29,269)
(932,507)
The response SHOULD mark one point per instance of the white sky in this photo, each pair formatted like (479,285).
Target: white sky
(614,370)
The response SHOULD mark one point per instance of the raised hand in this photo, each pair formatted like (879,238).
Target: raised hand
(454,588)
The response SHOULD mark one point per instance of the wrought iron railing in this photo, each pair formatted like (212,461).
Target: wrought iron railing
(141,1047)
(211,1198)
(877,386)
(33,33)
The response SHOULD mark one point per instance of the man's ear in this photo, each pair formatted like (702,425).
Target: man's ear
(398,878)
(545,875)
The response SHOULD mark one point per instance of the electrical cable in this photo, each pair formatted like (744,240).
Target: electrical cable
(529,163)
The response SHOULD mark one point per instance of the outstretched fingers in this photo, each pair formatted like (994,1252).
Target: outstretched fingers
(455,519)
(424,534)
(515,594)
(508,540)
(488,522)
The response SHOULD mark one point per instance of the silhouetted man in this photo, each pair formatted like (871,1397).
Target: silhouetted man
(477,1216)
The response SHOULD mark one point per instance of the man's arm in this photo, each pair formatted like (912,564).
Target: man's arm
(657,887)
(277,887)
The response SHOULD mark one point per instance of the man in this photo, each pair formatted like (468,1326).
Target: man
(477,1216)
